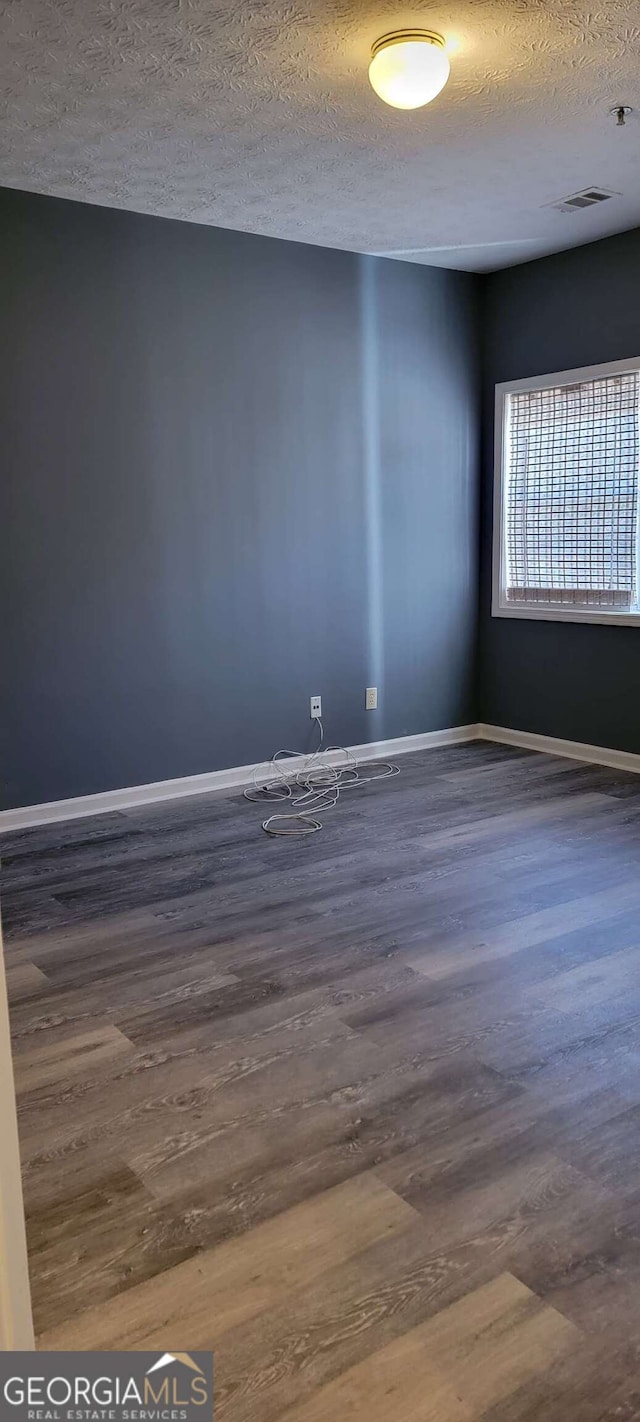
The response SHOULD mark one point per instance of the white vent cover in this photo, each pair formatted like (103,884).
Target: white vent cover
(589,197)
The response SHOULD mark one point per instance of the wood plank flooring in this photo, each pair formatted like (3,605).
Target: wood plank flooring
(360,1111)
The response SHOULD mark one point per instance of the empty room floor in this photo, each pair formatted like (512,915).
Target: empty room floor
(360,1111)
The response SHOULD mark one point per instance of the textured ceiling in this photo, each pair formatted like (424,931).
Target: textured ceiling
(258,115)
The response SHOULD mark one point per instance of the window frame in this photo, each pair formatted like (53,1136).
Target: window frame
(532,613)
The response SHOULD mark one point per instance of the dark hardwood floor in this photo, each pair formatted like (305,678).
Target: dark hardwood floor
(360,1111)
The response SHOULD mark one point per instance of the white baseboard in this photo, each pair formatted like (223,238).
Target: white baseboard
(552,745)
(28,816)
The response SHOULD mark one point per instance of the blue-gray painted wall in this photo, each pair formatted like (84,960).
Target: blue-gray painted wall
(235,472)
(577,681)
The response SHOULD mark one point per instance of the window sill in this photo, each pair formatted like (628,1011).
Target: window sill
(558,614)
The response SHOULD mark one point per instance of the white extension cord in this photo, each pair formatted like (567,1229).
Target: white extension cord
(316,787)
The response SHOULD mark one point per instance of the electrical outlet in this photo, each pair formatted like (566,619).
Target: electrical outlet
(315,705)
(371,698)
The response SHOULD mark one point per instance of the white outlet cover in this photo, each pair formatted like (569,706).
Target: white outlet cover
(371,698)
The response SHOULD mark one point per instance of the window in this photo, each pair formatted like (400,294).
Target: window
(566,527)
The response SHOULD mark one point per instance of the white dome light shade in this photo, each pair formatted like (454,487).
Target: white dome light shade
(409,68)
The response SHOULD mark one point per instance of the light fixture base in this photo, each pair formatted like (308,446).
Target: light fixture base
(405,37)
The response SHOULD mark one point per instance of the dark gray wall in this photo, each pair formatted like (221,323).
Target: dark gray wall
(235,472)
(561,679)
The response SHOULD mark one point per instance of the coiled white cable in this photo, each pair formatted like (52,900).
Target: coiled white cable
(313,788)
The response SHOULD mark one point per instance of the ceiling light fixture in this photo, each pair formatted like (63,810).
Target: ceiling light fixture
(409,67)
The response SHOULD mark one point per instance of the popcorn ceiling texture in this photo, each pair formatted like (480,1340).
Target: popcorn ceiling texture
(259,116)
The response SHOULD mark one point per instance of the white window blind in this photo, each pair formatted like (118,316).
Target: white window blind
(570,497)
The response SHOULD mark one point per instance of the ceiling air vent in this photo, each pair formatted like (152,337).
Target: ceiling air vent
(590,197)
